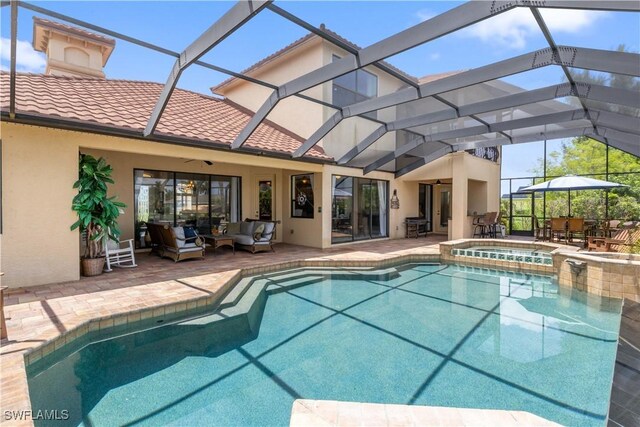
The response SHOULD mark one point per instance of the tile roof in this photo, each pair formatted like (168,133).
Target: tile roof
(297,43)
(127,105)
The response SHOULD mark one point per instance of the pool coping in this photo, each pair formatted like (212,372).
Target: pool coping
(332,413)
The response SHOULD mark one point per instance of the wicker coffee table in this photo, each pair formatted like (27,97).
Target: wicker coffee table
(220,240)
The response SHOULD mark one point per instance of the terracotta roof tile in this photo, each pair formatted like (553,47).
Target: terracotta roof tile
(127,104)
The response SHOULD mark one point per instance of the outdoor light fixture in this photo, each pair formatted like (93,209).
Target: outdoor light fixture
(395,202)
(438,182)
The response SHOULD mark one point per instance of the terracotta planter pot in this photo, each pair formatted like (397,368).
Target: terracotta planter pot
(92,266)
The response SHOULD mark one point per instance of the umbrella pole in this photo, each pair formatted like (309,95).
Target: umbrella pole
(569,199)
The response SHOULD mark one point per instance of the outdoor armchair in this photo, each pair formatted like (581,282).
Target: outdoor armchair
(253,235)
(172,243)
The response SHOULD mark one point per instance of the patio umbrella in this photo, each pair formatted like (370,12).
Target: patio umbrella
(572,182)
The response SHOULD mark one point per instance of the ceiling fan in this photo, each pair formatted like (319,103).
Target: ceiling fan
(207,162)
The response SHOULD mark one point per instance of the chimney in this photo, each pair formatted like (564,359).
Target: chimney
(71,51)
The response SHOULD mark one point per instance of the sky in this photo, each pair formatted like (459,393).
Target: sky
(174,25)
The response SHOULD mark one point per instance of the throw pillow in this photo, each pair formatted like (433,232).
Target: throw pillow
(179,233)
(257,233)
(190,234)
(268,230)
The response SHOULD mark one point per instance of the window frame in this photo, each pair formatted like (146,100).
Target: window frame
(357,94)
(174,178)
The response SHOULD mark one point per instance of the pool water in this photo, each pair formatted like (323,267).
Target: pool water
(428,335)
(530,256)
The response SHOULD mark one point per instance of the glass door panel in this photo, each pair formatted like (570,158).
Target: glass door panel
(362,209)
(445,207)
(225,205)
(425,210)
(378,218)
(153,201)
(192,201)
(265,200)
(342,209)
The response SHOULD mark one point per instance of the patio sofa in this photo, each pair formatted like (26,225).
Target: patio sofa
(175,242)
(252,235)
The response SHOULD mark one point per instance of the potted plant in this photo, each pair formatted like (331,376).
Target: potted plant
(97,213)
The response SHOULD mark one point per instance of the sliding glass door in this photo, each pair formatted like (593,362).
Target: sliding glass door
(425,202)
(359,209)
(184,199)
(192,201)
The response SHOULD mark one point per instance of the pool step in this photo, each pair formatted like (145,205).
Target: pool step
(244,303)
(248,301)
(236,292)
(293,283)
(359,273)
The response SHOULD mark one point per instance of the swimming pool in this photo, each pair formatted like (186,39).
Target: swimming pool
(425,334)
(529,256)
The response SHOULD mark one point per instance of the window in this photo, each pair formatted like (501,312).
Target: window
(354,87)
(359,210)
(177,199)
(302,196)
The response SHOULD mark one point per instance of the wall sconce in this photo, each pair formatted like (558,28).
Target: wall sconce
(395,202)
(438,182)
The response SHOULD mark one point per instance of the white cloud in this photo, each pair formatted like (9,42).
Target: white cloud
(515,27)
(434,56)
(424,15)
(27,59)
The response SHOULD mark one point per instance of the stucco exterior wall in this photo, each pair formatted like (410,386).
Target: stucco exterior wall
(299,116)
(38,171)
(303,231)
(39,167)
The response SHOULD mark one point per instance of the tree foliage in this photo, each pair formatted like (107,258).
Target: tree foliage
(585,156)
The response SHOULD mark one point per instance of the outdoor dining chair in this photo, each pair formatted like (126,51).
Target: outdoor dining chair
(575,227)
(558,229)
